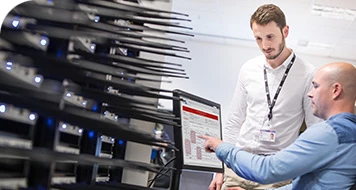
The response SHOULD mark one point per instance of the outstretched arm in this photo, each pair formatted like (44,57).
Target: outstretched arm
(312,150)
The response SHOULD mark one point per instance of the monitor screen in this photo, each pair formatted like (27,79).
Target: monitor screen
(198,116)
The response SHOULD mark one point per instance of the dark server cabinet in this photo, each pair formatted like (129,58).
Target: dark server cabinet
(68,91)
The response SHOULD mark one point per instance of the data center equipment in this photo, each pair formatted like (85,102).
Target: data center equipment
(68,91)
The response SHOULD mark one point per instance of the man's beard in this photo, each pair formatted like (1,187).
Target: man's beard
(281,47)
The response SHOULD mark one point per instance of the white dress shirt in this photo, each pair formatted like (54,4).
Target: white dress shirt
(249,107)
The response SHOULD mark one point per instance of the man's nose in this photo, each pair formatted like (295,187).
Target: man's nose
(310,94)
(266,45)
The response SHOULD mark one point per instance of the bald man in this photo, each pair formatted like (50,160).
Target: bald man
(323,157)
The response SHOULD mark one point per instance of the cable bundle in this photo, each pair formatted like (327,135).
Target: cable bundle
(68,90)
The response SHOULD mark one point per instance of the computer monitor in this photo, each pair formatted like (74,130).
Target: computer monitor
(198,116)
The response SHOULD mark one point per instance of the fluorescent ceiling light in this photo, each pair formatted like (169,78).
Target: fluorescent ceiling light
(319,45)
(334,12)
(309,44)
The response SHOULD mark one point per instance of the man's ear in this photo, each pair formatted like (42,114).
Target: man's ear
(337,89)
(286,31)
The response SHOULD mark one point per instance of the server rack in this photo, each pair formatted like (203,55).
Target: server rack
(68,92)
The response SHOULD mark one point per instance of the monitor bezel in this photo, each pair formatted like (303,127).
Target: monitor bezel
(179,94)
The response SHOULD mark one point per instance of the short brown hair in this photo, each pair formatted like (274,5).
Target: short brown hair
(268,13)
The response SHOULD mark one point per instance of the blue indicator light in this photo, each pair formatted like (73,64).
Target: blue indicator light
(49,122)
(91,134)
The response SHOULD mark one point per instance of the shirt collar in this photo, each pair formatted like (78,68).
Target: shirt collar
(284,64)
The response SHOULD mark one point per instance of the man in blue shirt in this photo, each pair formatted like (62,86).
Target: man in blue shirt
(324,156)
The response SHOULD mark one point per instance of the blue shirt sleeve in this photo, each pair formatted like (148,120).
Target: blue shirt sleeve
(312,150)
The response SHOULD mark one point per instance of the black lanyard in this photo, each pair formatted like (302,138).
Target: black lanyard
(271,104)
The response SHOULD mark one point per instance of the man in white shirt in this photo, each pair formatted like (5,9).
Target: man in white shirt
(270,98)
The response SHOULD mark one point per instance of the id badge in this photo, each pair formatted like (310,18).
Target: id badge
(267,135)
